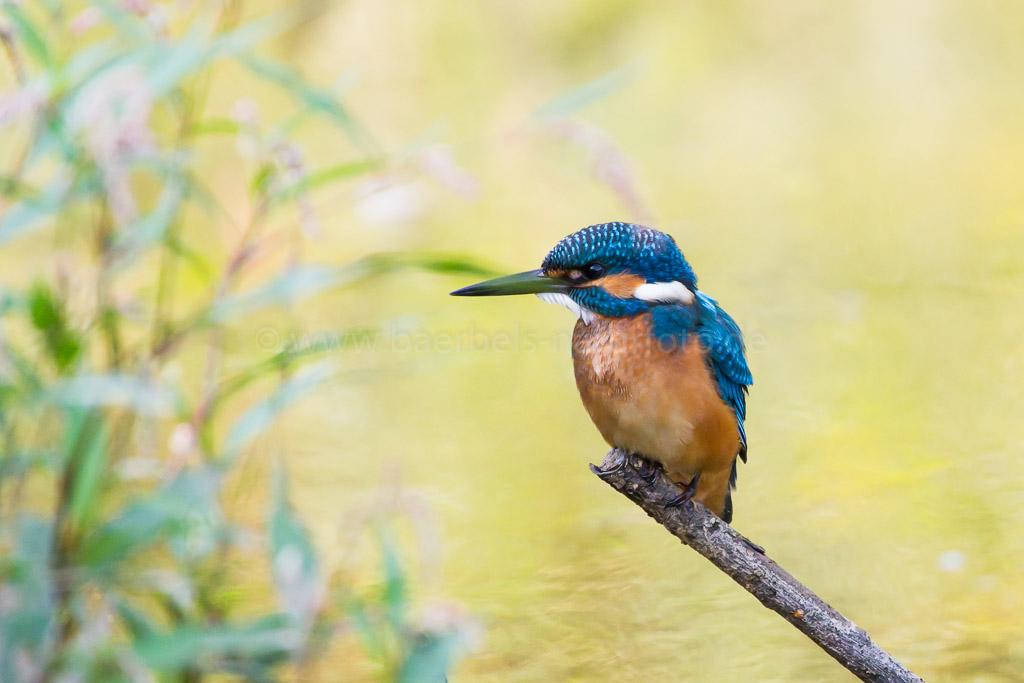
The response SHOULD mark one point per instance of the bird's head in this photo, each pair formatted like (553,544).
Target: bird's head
(611,269)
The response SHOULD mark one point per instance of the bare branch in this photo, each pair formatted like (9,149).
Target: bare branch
(746,563)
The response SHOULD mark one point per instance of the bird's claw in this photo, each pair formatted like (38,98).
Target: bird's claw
(647,470)
(599,471)
(688,491)
(618,466)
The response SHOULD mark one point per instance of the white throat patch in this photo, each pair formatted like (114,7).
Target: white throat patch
(664,292)
(584,314)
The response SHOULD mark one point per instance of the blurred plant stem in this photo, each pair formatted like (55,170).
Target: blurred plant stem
(191,100)
(66,535)
(106,308)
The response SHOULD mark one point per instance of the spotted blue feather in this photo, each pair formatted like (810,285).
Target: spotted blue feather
(726,352)
(723,345)
(623,247)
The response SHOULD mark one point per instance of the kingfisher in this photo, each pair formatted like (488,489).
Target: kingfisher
(660,366)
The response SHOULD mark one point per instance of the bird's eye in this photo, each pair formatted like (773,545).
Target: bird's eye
(592,271)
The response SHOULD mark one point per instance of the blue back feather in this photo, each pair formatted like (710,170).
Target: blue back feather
(724,348)
(723,340)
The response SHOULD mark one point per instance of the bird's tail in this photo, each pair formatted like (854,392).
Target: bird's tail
(727,510)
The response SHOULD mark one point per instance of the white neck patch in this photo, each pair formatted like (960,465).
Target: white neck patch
(584,314)
(665,292)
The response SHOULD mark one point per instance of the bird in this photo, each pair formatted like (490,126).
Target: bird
(660,367)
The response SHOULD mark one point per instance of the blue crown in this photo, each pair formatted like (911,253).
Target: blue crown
(623,248)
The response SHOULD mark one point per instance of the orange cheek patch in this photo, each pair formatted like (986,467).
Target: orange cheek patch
(621,285)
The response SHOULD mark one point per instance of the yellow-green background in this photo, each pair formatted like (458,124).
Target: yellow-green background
(846,178)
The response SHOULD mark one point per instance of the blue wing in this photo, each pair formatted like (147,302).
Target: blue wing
(723,340)
(726,354)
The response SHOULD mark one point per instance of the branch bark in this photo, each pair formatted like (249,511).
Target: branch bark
(746,563)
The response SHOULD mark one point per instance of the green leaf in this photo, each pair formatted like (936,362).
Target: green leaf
(315,99)
(258,418)
(139,526)
(20,463)
(199,47)
(358,616)
(297,284)
(48,316)
(25,629)
(151,519)
(10,301)
(190,53)
(193,257)
(216,126)
(124,21)
(203,197)
(428,658)
(15,188)
(293,558)
(262,178)
(26,380)
(341,86)
(327,175)
(87,62)
(28,35)
(241,38)
(377,265)
(190,645)
(575,99)
(127,391)
(307,281)
(292,356)
(393,594)
(147,230)
(448,264)
(27,214)
(87,458)
(138,622)
(52,138)
(295,84)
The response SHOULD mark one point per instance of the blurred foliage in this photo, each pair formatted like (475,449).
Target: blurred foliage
(116,473)
(845,178)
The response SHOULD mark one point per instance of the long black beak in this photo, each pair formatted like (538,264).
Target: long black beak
(530,282)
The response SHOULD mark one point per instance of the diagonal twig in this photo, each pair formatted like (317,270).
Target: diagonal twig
(746,563)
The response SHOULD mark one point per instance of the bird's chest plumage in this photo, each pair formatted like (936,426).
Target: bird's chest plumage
(651,398)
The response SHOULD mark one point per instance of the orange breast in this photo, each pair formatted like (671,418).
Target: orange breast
(655,401)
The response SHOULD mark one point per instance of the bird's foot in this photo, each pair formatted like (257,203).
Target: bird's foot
(620,463)
(647,469)
(614,469)
(688,491)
